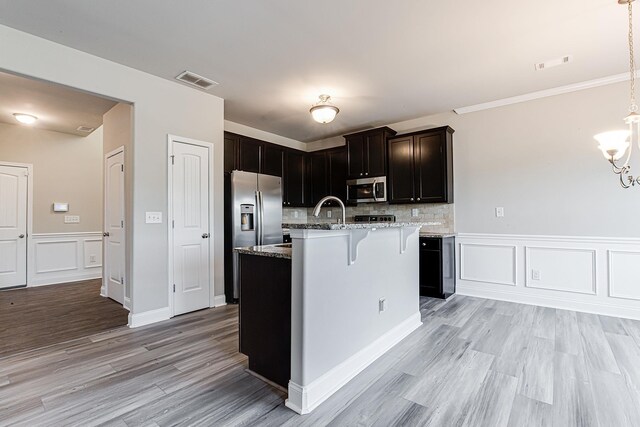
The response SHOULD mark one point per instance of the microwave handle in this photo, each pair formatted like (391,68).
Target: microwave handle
(375,181)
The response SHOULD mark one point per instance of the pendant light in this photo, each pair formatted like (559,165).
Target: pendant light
(615,144)
(324,111)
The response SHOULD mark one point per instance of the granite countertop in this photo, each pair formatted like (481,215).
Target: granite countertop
(272,251)
(349,225)
(436,234)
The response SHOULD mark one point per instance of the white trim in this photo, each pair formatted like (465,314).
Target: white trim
(304,399)
(514,257)
(127,302)
(29,167)
(557,300)
(589,84)
(148,317)
(209,146)
(219,300)
(528,282)
(610,282)
(550,238)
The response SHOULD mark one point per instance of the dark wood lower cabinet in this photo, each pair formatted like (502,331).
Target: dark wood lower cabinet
(265,316)
(437,266)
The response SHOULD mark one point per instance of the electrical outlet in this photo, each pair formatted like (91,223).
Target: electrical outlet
(414,212)
(329,213)
(499,212)
(92,258)
(153,218)
(382,305)
(71,219)
(295,214)
(535,274)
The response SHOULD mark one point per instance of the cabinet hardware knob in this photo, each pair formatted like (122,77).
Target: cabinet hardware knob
(418,198)
(366,173)
(424,244)
(412,199)
(360,173)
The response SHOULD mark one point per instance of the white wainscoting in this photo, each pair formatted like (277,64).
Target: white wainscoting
(64,257)
(590,274)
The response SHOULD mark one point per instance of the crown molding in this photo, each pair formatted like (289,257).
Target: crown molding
(589,84)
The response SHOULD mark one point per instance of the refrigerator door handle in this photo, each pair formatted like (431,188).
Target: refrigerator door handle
(261,220)
(258,219)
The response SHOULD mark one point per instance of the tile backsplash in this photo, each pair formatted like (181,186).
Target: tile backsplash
(439,217)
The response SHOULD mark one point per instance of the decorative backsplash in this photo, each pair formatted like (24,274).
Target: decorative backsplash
(439,217)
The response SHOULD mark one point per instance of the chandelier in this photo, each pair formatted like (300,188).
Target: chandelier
(614,144)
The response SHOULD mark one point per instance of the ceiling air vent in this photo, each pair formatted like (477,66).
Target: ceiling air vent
(196,80)
(554,62)
(85,129)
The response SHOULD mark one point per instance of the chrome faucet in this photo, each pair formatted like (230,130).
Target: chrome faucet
(316,210)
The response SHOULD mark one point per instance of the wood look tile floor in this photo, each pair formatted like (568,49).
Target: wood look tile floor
(474,362)
(44,315)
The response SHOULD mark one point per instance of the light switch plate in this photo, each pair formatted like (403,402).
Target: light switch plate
(499,212)
(153,217)
(72,219)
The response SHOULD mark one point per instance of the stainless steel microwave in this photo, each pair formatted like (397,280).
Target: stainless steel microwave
(367,190)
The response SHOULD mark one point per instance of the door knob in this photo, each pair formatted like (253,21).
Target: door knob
(21,236)
(105,234)
(205,235)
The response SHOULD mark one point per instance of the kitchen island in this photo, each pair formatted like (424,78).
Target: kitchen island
(354,295)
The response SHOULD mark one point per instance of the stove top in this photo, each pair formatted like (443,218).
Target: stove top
(374,218)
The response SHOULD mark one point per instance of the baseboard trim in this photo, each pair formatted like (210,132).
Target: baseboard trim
(219,300)
(304,399)
(148,317)
(552,301)
(63,279)
(127,303)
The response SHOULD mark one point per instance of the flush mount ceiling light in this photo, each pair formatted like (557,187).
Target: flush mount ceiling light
(614,144)
(323,111)
(27,119)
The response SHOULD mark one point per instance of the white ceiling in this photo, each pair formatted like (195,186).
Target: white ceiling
(58,108)
(381,61)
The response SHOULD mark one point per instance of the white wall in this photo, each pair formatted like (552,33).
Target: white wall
(161,107)
(264,136)
(66,168)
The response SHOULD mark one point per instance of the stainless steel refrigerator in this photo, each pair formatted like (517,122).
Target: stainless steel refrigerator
(257,213)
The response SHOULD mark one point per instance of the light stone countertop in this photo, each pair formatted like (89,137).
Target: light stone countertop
(271,251)
(349,225)
(436,234)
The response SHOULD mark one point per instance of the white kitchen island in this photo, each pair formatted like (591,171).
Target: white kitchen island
(355,294)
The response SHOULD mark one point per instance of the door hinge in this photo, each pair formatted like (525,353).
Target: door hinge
(174,287)
(122,224)
(122,168)
(122,280)
(173,223)
(173,159)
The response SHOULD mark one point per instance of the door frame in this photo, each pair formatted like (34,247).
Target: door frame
(30,262)
(104,289)
(171,139)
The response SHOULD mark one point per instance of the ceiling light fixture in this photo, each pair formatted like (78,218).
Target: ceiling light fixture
(614,144)
(324,111)
(27,119)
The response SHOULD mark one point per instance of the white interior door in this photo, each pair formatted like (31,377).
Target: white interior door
(113,242)
(13,226)
(190,213)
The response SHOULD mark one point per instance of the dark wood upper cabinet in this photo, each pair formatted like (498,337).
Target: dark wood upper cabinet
(294,179)
(273,160)
(421,167)
(328,175)
(337,160)
(251,152)
(318,174)
(401,170)
(367,152)
(230,151)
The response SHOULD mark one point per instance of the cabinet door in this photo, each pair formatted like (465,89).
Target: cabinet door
(355,156)
(319,177)
(338,173)
(376,155)
(250,155)
(273,161)
(401,170)
(294,179)
(430,167)
(230,152)
(430,273)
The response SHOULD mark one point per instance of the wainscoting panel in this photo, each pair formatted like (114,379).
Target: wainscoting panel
(590,274)
(474,265)
(561,269)
(64,257)
(624,274)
